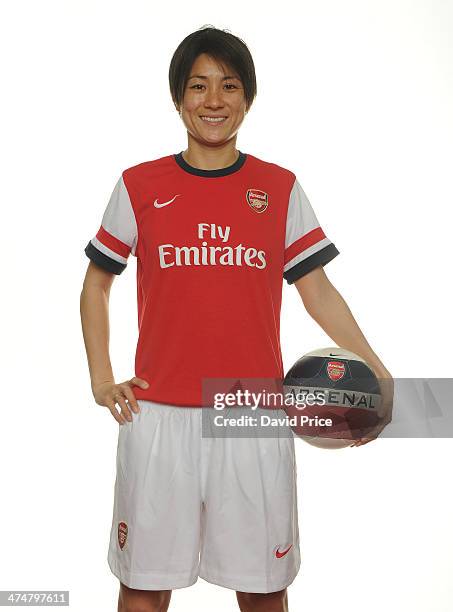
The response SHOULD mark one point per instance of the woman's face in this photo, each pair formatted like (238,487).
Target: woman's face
(212,93)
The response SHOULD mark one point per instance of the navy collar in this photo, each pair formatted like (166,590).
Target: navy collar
(210,173)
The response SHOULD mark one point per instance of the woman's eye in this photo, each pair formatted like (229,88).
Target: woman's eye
(199,86)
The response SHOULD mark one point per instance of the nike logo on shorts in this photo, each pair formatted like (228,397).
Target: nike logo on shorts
(279,554)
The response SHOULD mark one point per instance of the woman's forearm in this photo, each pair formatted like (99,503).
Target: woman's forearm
(94,312)
(329,309)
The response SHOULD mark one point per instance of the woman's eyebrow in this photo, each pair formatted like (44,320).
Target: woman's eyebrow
(200,76)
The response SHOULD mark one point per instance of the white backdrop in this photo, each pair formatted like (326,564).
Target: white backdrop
(355,97)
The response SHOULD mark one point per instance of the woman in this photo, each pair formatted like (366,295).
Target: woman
(214,231)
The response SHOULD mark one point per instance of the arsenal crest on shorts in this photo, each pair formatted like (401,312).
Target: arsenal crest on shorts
(122,534)
(335,370)
(258,200)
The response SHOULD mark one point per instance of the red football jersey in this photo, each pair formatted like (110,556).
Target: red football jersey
(212,249)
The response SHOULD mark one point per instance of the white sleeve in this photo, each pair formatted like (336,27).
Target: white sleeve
(117,235)
(306,245)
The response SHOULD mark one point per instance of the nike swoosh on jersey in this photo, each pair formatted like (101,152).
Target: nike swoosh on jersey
(162,204)
(279,554)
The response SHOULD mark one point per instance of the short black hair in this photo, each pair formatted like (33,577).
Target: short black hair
(222,46)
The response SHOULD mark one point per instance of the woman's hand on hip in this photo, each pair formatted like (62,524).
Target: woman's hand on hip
(110,393)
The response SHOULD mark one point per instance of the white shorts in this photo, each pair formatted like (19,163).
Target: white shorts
(224,509)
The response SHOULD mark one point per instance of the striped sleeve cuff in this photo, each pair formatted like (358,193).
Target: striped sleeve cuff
(108,252)
(320,258)
(307,253)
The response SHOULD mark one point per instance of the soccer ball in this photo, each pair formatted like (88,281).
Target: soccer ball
(332,397)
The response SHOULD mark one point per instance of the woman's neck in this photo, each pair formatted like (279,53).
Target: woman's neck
(211,157)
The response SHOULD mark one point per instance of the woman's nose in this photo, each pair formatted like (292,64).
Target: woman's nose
(213,98)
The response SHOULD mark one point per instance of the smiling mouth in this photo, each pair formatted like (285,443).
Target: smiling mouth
(213,120)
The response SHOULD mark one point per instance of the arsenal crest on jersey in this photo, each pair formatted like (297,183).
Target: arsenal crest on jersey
(258,200)
(122,534)
(335,370)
